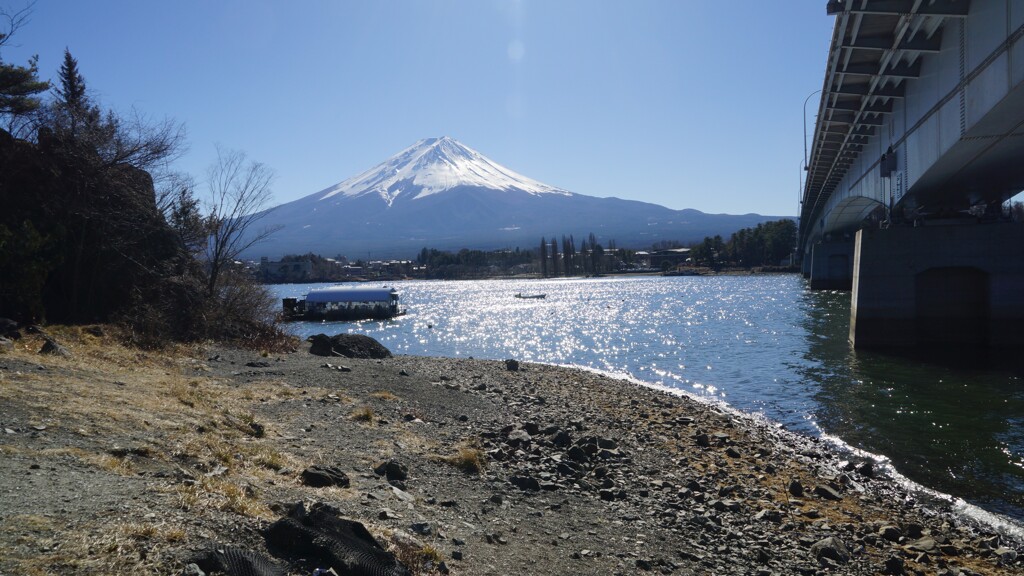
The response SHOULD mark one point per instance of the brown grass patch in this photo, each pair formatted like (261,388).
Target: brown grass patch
(469,458)
(384,395)
(363,414)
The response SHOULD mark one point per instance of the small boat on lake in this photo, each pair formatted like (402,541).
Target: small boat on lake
(531,296)
(343,303)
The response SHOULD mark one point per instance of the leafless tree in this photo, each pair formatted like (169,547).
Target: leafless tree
(239,192)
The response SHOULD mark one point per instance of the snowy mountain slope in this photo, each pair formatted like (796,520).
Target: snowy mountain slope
(434,165)
(441,194)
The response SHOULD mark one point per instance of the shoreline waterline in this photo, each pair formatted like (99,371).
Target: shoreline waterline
(762,344)
(993,520)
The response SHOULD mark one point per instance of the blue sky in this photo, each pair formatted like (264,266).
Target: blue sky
(684,103)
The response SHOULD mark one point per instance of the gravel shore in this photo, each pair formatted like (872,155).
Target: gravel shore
(114,459)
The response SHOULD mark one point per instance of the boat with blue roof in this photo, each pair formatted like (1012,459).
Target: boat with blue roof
(344,303)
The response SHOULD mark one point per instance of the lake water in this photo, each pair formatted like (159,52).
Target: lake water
(762,344)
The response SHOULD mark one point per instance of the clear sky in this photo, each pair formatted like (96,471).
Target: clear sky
(684,103)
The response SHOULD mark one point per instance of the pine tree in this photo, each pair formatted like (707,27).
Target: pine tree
(543,258)
(19,85)
(72,84)
(554,257)
(78,114)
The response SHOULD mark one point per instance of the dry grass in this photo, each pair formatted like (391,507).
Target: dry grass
(221,493)
(421,560)
(384,395)
(363,414)
(469,458)
(116,547)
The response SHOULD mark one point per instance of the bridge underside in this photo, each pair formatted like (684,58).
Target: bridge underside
(919,140)
(984,167)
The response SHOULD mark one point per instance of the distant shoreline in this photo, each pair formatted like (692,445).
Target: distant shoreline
(694,272)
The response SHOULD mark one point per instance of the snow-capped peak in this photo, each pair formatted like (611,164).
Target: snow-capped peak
(434,165)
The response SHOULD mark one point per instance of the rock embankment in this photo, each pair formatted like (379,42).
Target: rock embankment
(457,466)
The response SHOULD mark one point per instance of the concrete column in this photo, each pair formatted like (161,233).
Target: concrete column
(832,265)
(959,285)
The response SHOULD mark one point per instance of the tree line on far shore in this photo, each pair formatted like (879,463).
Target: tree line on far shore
(767,244)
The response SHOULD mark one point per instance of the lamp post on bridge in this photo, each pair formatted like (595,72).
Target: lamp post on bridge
(803,170)
(805,125)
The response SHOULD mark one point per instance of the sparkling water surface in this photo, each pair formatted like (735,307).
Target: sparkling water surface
(762,344)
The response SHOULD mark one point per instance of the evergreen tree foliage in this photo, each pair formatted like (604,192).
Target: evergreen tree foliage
(19,85)
(543,258)
(71,93)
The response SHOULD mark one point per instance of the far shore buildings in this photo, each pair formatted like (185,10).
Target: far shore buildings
(308,268)
(664,259)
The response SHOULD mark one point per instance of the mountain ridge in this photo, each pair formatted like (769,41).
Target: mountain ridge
(439,193)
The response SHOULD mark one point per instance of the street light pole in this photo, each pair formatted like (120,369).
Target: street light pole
(805,124)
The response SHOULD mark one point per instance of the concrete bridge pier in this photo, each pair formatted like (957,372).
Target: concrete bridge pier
(831,265)
(958,285)
(805,264)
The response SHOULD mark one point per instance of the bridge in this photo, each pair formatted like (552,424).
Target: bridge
(918,142)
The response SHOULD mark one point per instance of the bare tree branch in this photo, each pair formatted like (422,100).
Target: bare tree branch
(239,191)
(15,20)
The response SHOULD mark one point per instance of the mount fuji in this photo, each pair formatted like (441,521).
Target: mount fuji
(439,193)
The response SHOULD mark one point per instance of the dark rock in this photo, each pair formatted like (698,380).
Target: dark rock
(562,439)
(50,346)
(347,345)
(258,364)
(512,365)
(831,548)
(926,544)
(827,492)
(391,469)
(525,482)
(703,440)
(795,488)
(422,528)
(894,565)
(8,328)
(890,533)
(457,555)
(322,538)
(732,452)
(320,476)
(577,454)
(866,470)
(236,561)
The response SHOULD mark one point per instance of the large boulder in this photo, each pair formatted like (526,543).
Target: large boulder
(347,345)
